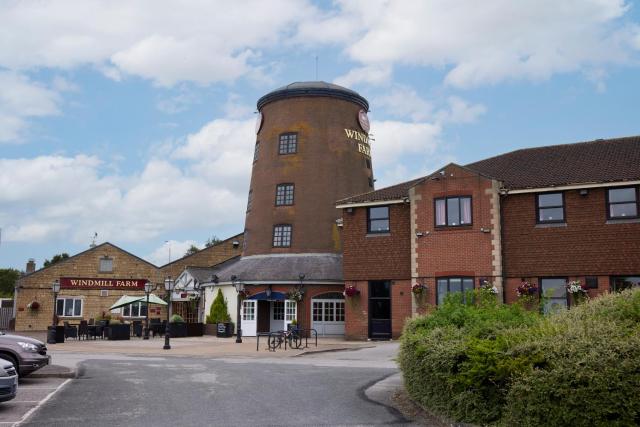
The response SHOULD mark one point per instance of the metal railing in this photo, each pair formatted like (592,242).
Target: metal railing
(293,338)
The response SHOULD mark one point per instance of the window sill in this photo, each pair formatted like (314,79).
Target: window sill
(378,234)
(465,227)
(551,225)
(623,221)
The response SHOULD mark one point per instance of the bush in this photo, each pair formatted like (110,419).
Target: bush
(176,318)
(488,363)
(457,362)
(219,312)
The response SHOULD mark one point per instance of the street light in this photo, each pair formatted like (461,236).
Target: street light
(55,287)
(239,289)
(51,337)
(168,286)
(197,286)
(148,288)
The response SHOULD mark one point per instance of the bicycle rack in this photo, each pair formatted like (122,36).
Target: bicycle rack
(287,338)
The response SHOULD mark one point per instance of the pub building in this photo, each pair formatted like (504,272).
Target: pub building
(94,280)
(544,215)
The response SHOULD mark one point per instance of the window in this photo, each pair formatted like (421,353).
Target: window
(368,163)
(290,310)
(284,194)
(378,219)
(106,265)
(282,236)
(550,207)
(453,211)
(278,310)
(447,285)
(249,200)
(288,143)
(256,151)
(555,291)
(137,309)
(620,283)
(622,203)
(249,310)
(70,307)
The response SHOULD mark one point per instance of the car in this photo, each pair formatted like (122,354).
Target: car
(27,354)
(8,381)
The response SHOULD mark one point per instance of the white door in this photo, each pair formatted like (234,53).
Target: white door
(249,315)
(277,316)
(328,316)
(290,312)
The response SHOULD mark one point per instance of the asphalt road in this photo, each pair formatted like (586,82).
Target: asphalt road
(319,390)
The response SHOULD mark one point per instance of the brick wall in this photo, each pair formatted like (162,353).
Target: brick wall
(376,256)
(454,251)
(586,245)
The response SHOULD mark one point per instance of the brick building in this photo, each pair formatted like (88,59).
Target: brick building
(546,215)
(93,280)
(311,149)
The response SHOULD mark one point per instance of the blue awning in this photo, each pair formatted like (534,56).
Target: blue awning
(275,296)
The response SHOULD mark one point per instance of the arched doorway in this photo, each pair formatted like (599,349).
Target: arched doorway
(327,313)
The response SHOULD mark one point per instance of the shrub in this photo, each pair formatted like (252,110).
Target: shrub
(219,312)
(176,318)
(497,364)
(457,362)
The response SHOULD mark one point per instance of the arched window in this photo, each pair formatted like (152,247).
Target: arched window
(330,295)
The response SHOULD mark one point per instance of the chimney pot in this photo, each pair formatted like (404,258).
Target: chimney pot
(31,265)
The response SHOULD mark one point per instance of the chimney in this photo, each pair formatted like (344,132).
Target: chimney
(31,265)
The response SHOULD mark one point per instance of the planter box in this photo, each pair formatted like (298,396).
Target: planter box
(178,330)
(118,332)
(211,329)
(195,329)
(224,330)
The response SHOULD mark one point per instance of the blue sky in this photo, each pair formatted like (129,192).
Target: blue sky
(134,120)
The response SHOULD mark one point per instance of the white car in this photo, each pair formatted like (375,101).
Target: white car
(8,381)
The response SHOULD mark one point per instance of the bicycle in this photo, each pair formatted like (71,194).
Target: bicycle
(293,338)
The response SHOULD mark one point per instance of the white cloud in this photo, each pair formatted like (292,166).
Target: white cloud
(460,111)
(484,42)
(20,99)
(201,183)
(203,42)
(403,101)
(371,74)
(395,140)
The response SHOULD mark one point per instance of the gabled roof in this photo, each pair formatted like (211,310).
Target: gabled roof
(181,259)
(395,192)
(592,162)
(599,161)
(84,252)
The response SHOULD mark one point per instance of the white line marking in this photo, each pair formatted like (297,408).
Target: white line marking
(42,402)
(25,401)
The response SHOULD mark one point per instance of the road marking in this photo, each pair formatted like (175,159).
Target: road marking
(42,402)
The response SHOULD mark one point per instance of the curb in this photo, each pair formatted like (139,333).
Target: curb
(55,371)
(330,350)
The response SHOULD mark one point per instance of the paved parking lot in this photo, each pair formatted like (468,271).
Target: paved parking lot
(31,393)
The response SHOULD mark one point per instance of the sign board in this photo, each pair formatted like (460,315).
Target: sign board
(222,329)
(96,283)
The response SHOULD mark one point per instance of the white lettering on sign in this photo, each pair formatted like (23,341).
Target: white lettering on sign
(358,136)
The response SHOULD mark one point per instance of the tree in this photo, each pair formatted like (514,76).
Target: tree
(219,312)
(56,258)
(8,277)
(212,241)
(192,250)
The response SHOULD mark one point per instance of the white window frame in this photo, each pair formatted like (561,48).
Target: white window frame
(138,305)
(249,315)
(290,310)
(64,306)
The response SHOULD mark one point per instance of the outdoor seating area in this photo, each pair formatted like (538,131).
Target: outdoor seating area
(118,330)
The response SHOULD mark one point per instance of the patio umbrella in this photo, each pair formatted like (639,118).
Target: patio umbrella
(126,300)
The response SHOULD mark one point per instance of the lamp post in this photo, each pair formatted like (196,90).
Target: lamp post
(239,289)
(148,288)
(55,287)
(168,286)
(197,286)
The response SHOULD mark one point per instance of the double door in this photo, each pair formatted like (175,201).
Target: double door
(328,316)
(265,316)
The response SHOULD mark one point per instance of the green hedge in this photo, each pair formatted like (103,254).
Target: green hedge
(488,363)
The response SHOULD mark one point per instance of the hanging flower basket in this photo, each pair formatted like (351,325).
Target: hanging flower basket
(418,289)
(351,291)
(527,289)
(33,305)
(295,295)
(577,291)
(490,288)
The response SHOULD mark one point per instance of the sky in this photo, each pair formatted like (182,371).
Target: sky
(135,119)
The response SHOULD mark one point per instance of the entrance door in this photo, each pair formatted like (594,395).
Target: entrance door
(290,312)
(380,309)
(277,316)
(263,316)
(328,316)
(249,313)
